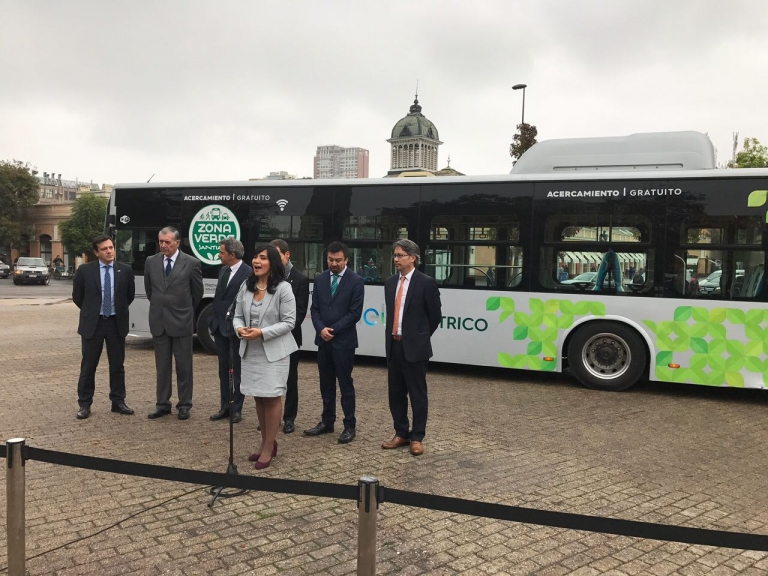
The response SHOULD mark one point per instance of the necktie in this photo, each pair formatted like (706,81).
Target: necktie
(226,276)
(334,285)
(168,267)
(106,297)
(398,303)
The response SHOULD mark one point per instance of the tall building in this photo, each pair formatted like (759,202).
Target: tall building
(414,145)
(339,162)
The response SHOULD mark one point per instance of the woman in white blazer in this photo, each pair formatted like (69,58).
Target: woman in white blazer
(265,314)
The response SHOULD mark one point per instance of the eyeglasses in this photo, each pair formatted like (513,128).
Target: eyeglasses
(397,256)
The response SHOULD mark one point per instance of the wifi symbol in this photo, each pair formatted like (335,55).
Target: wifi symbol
(282,203)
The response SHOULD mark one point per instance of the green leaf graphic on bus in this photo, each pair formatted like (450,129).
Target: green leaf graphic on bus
(722,344)
(539,329)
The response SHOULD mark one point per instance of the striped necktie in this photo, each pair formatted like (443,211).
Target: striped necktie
(334,285)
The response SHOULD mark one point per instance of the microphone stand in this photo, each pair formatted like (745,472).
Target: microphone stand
(218,491)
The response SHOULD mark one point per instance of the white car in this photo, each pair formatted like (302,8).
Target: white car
(31,271)
(5,270)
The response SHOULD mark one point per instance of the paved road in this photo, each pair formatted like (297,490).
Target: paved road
(679,455)
(58,289)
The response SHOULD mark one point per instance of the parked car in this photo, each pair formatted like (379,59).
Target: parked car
(711,284)
(588,279)
(5,270)
(31,271)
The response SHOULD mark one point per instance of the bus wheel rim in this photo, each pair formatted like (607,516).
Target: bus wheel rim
(606,356)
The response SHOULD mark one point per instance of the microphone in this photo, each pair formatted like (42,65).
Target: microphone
(231,311)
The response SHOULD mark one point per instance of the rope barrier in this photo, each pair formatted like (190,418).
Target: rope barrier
(615,526)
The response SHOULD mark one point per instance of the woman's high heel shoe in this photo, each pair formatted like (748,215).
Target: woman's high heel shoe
(253,457)
(261,465)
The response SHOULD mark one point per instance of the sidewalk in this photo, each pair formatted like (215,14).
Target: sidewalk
(688,456)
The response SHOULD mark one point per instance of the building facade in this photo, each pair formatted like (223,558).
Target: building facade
(339,162)
(54,206)
(415,144)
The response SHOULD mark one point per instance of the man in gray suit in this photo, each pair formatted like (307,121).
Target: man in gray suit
(173,282)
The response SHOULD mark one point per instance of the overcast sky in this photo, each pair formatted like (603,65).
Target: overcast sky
(116,91)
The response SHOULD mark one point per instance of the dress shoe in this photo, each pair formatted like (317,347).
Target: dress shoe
(159,413)
(347,436)
(254,457)
(220,415)
(416,448)
(261,465)
(288,426)
(396,442)
(321,428)
(183,413)
(83,413)
(122,407)
(237,417)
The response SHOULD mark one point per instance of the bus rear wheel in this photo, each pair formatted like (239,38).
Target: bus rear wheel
(607,356)
(203,332)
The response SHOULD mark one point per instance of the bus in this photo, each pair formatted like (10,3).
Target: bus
(616,276)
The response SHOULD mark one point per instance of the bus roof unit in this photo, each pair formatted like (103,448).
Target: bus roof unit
(686,150)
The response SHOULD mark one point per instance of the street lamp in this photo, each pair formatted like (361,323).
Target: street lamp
(518,87)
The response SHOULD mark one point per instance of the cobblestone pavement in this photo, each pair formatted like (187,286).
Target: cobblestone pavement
(681,455)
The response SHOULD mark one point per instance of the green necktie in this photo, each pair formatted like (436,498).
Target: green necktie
(334,285)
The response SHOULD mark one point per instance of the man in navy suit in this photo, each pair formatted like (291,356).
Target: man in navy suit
(408,344)
(103,290)
(337,305)
(231,276)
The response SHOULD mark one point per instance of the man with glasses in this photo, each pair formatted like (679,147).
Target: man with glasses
(408,344)
(337,305)
(173,282)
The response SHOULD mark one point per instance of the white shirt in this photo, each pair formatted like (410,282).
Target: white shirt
(172,259)
(232,269)
(402,302)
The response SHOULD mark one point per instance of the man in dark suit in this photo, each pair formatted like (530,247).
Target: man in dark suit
(337,305)
(103,290)
(413,314)
(232,275)
(173,282)
(300,286)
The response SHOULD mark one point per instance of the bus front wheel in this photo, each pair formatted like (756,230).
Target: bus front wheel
(607,356)
(203,332)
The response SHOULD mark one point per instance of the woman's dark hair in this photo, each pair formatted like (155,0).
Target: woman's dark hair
(276,269)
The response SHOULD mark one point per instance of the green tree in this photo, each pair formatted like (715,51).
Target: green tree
(754,155)
(87,222)
(524,139)
(19,191)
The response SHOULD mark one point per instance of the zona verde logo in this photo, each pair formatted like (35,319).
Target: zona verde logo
(209,227)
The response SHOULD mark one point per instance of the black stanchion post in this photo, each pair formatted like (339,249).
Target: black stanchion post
(15,506)
(367,506)
(218,492)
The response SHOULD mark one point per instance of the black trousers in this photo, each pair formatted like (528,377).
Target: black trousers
(106,331)
(407,379)
(223,344)
(337,363)
(292,392)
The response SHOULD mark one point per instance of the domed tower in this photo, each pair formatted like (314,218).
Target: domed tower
(414,143)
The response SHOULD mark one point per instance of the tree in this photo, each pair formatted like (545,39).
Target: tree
(524,139)
(87,222)
(19,191)
(754,155)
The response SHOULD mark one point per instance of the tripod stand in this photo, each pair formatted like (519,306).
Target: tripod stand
(219,491)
